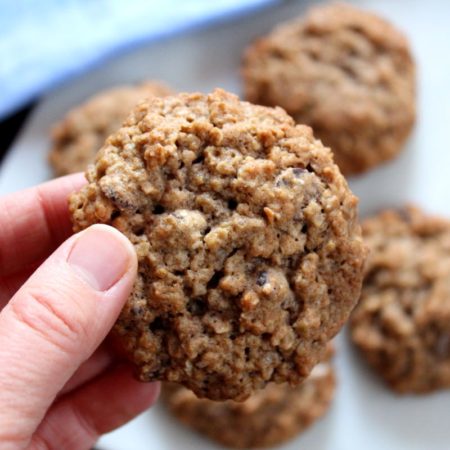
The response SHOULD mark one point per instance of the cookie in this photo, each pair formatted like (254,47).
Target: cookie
(268,418)
(249,248)
(77,138)
(402,322)
(346,73)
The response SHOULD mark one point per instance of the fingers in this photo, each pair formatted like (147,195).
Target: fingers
(59,316)
(34,222)
(9,285)
(93,367)
(78,419)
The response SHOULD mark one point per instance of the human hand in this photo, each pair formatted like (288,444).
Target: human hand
(59,387)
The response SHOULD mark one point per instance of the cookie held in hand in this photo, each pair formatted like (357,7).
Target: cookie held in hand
(250,252)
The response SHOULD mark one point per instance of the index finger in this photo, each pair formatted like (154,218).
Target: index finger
(34,222)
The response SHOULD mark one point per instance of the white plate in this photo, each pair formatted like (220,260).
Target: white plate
(365,415)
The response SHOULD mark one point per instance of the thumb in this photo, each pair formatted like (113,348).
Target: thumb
(55,322)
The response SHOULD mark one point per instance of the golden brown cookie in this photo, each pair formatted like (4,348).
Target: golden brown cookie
(346,73)
(250,253)
(77,138)
(268,418)
(402,322)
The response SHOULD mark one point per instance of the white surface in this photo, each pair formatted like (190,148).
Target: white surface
(365,415)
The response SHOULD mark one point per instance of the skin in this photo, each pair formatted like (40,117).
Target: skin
(60,385)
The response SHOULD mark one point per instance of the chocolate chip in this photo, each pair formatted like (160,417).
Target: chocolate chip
(298,172)
(285,177)
(232,204)
(198,160)
(120,200)
(115,214)
(158,209)
(196,306)
(159,324)
(262,279)
(137,310)
(214,280)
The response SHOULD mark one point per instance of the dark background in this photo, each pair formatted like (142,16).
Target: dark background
(9,128)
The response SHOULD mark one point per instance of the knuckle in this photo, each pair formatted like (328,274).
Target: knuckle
(13,438)
(51,316)
(86,428)
(40,443)
(77,432)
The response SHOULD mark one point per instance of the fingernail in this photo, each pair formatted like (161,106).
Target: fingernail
(101,255)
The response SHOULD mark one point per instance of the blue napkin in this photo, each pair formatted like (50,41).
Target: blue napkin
(44,42)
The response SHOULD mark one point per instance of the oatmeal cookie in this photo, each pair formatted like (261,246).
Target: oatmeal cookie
(77,138)
(249,248)
(346,73)
(402,323)
(268,418)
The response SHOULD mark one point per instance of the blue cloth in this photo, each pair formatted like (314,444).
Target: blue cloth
(44,42)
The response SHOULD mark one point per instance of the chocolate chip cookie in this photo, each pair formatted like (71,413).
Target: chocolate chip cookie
(345,72)
(78,137)
(249,248)
(268,418)
(402,323)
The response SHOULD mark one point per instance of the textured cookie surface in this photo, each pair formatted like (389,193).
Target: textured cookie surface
(78,137)
(345,72)
(250,254)
(269,417)
(402,323)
